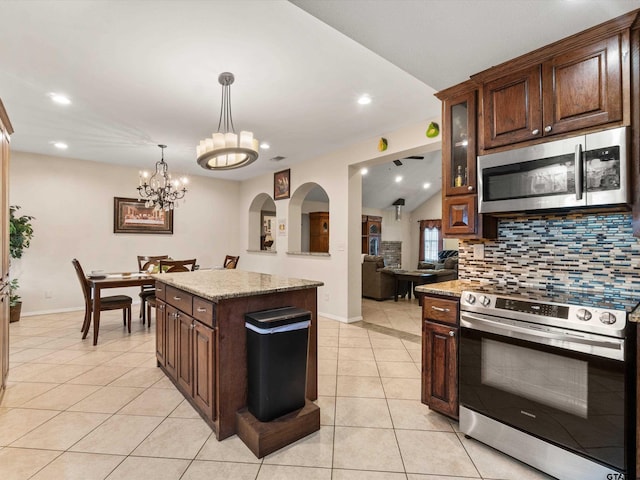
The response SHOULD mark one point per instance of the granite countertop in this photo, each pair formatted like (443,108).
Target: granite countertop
(452,288)
(217,285)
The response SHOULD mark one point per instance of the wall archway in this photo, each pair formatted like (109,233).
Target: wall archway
(308,198)
(262,223)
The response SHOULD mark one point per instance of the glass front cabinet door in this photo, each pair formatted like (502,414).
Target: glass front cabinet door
(459,144)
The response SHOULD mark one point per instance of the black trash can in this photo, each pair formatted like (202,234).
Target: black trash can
(277,343)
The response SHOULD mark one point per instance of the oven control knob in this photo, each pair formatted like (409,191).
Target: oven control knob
(583,314)
(608,318)
(471,299)
(484,300)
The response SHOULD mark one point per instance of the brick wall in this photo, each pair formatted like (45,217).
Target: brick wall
(392,252)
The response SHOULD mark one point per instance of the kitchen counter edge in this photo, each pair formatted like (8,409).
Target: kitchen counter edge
(216,285)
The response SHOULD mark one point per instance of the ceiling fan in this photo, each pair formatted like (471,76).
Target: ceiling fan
(413,157)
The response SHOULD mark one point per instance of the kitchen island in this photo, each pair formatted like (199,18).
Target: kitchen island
(201,337)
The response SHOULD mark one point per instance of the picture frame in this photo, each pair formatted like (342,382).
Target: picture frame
(282,184)
(131,216)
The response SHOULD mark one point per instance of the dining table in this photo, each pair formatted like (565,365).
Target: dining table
(97,283)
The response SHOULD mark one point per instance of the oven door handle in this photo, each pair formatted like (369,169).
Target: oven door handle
(595,345)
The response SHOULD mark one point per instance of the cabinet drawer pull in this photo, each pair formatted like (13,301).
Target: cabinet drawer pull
(201,310)
(158,289)
(535,132)
(452,333)
(439,309)
(193,325)
(470,188)
(177,299)
(548,128)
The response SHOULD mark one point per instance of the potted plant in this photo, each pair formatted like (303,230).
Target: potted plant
(20,235)
(15,303)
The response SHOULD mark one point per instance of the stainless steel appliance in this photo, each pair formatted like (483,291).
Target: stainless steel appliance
(589,170)
(548,378)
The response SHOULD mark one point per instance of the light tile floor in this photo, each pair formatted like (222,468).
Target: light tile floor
(74,411)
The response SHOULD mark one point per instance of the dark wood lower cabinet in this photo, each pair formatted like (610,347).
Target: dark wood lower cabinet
(201,346)
(171,341)
(440,330)
(185,349)
(204,366)
(161,341)
(440,368)
(185,352)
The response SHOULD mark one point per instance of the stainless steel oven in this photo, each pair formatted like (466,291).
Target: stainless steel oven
(550,381)
(589,170)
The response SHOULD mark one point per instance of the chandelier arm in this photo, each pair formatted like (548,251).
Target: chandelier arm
(222,109)
(229,115)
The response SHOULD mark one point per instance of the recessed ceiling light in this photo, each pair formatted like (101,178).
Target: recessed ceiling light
(364,100)
(61,145)
(426,185)
(364,171)
(59,98)
(398,178)
(265,146)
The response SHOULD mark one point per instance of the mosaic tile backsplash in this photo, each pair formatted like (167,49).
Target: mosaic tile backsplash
(587,251)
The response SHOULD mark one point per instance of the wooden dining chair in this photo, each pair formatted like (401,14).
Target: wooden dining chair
(145,264)
(172,266)
(169,266)
(230,261)
(112,302)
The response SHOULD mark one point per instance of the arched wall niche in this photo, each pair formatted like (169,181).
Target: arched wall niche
(309,219)
(262,223)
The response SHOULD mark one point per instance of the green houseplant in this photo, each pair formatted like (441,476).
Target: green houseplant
(15,301)
(20,235)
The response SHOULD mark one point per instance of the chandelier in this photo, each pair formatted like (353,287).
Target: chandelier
(160,191)
(225,150)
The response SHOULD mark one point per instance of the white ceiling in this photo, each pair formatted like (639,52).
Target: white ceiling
(141,73)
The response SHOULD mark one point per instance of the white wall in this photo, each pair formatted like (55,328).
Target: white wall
(73,205)
(72,201)
(337,173)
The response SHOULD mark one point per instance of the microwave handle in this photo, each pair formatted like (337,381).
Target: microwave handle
(578,171)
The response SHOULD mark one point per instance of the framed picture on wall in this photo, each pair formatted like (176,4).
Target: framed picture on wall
(281,181)
(131,216)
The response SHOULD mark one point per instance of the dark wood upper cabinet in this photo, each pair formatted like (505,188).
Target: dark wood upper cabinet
(459,188)
(583,88)
(571,91)
(459,141)
(512,108)
(578,84)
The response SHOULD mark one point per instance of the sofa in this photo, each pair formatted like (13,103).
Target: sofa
(446,270)
(378,282)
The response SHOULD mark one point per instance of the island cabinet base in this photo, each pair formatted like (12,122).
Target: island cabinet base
(201,347)
(264,438)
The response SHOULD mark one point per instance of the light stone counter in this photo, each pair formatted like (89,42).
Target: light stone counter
(452,288)
(217,285)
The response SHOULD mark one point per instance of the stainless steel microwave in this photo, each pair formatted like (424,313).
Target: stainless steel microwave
(584,171)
